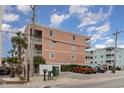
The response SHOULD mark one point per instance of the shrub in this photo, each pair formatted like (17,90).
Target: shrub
(68,67)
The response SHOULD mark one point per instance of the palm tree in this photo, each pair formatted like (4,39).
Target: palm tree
(12,60)
(19,43)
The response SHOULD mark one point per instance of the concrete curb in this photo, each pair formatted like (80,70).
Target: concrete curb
(13,82)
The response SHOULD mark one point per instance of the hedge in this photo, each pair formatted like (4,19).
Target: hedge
(68,67)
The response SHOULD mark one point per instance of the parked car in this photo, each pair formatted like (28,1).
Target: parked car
(84,70)
(4,71)
(91,70)
(100,69)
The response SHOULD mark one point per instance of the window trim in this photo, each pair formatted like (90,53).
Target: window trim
(74,37)
(51,33)
(50,53)
(74,57)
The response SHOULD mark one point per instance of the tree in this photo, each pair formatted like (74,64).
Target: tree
(19,43)
(12,61)
(38,60)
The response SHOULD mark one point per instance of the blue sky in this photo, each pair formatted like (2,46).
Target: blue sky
(99,22)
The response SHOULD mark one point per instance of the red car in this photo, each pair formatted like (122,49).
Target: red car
(84,70)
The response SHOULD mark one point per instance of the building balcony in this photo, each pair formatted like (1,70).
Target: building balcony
(37,52)
(109,58)
(87,45)
(39,40)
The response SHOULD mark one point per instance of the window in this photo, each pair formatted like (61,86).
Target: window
(91,52)
(86,57)
(51,33)
(96,62)
(73,57)
(52,55)
(112,55)
(38,47)
(73,37)
(37,33)
(52,44)
(101,56)
(91,62)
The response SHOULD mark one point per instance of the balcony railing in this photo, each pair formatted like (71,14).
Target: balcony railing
(38,52)
(37,39)
(87,45)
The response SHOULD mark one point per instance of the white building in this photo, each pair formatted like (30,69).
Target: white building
(105,57)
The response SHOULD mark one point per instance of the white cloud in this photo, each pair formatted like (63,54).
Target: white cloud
(80,10)
(86,21)
(6,27)
(103,28)
(100,46)
(57,19)
(96,37)
(95,23)
(10,17)
(109,42)
(9,28)
(90,18)
(24,8)
(91,28)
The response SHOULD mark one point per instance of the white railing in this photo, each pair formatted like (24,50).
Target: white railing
(37,39)
(37,51)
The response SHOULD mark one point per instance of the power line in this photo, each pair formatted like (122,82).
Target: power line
(55,41)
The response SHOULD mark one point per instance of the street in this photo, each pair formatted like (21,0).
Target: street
(74,80)
(116,83)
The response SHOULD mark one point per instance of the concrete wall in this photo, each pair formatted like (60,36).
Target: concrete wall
(48,67)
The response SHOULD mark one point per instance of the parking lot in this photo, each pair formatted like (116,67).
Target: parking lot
(91,76)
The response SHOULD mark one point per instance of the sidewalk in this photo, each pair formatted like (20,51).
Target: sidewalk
(67,79)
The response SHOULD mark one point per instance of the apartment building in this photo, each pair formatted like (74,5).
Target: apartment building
(56,46)
(105,57)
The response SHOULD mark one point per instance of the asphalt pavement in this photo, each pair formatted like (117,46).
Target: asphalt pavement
(115,83)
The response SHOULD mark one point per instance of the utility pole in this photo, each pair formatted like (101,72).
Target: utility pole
(1,15)
(115,50)
(32,37)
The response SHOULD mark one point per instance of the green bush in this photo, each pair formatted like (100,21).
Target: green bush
(68,67)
